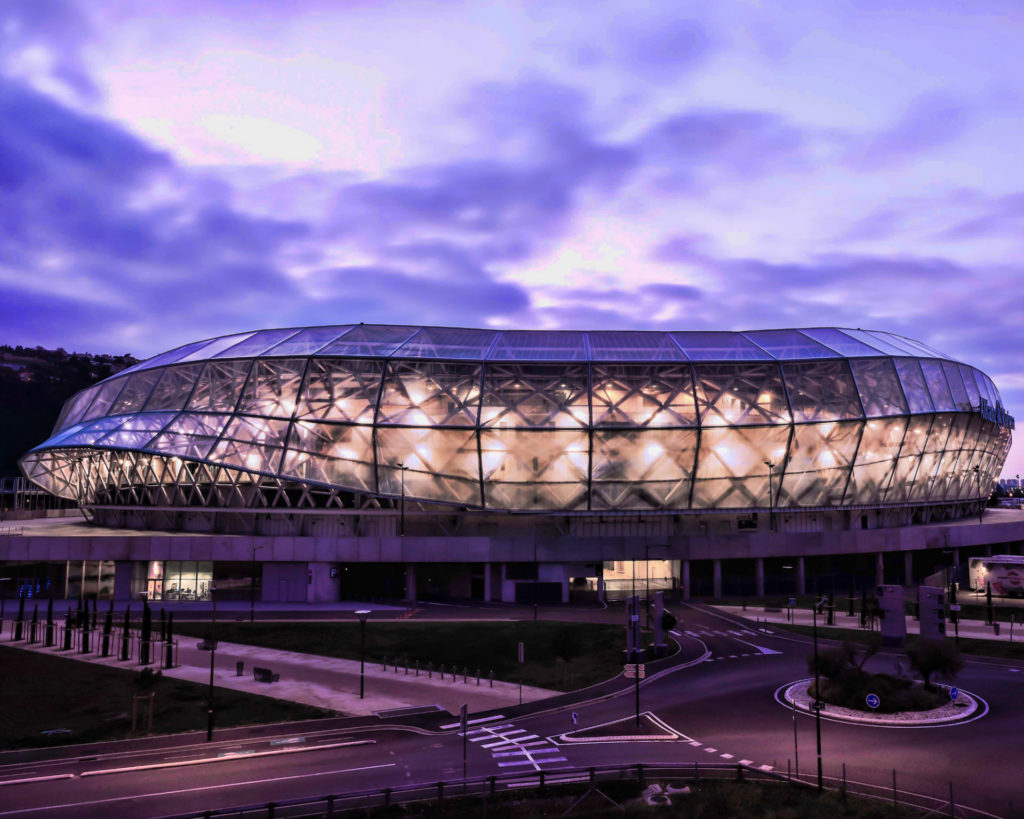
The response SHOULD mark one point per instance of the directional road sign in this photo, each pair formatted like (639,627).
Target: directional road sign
(872,700)
(634,670)
(575,718)
(954,692)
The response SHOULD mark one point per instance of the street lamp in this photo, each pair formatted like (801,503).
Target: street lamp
(362,614)
(771,504)
(213,652)
(817,694)
(981,504)
(401,526)
(252,586)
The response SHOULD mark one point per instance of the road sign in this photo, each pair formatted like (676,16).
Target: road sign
(634,618)
(872,700)
(954,692)
(954,607)
(792,602)
(635,670)
(575,718)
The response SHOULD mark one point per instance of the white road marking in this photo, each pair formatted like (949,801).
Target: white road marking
(746,762)
(765,767)
(696,744)
(726,756)
(711,750)
(473,721)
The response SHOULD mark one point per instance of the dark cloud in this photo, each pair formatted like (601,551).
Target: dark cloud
(929,122)
(1003,215)
(662,49)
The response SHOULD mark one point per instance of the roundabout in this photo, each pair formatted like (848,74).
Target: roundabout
(965,708)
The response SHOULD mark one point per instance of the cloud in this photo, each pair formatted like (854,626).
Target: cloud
(1002,215)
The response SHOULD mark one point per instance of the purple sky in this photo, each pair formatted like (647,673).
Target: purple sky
(175,170)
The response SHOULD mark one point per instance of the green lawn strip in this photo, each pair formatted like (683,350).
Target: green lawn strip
(706,798)
(595,650)
(979,648)
(41,692)
(973,609)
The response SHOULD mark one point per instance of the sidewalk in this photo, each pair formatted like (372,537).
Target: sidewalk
(972,629)
(325,682)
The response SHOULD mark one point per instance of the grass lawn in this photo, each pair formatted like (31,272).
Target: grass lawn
(94,702)
(980,648)
(596,649)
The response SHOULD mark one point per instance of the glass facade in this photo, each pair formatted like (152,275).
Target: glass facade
(523,420)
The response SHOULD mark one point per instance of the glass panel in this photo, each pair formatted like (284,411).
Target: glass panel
(878,342)
(876,460)
(539,345)
(822,391)
(946,480)
(878,387)
(216,346)
(914,387)
(628,346)
(272,387)
(841,342)
(264,431)
(937,385)
(169,357)
(190,435)
(257,343)
(440,464)
(219,385)
(307,342)
(819,462)
(370,340)
(430,393)
(719,346)
(337,454)
(137,431)
(174,387)
(528,469)
(76,407)
(907,466)
(915,348)
(107,395)
(987,388)
(973,393)
(135,392)
(340,389)
(91,433)
(733,394)
(535,395)
(448,342)
(249,456)
(956,386)
(638,395)
(789,344)
(731,470)
(643,469)
(56,439)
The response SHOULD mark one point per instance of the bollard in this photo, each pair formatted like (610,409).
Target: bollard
(430,671)
(593,775)
(494,781)
(239,667)
(417,668)
(270,810)
(330,807)
(407,667)
(465,674)
(478,677)
(387,797)
(441,671)
(492,678)
(384,664)
(440,791)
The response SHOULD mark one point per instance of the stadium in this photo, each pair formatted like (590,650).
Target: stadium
(524,465)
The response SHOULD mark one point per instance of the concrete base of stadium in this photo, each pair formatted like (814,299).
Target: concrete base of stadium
(518,562)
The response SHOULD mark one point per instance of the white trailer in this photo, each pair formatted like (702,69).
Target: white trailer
(1003,573)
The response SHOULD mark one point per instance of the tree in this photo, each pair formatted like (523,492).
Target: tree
(566,646)
(668,620)
(934,657)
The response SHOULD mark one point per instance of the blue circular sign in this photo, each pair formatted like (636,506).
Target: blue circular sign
(954,692)
(872,700)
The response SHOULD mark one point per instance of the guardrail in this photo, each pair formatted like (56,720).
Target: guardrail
(330,805)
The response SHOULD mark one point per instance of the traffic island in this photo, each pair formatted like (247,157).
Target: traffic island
(961,706)
(651,729)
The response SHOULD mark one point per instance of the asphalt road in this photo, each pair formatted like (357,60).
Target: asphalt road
(716,695)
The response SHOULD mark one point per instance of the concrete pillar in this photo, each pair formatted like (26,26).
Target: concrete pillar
(908,568)
(686,579)
(801,576)
(410,582)
(487,582)
(716,565)
(759,576)
(880,569)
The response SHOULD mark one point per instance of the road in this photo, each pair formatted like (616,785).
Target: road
(716,695)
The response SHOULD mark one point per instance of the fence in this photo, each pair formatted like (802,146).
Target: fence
(124,646)
(485,787)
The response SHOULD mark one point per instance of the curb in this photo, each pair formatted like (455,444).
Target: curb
(792,692)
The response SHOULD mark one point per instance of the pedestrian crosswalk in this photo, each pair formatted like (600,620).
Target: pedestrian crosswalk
(707,632)
(516,748)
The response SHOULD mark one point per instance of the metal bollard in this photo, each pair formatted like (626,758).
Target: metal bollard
(492,678)
(465,674)
(417,668)
(430,671)
(384,664)
(478,677)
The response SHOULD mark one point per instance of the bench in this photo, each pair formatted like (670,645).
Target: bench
(206,645)
(264,675)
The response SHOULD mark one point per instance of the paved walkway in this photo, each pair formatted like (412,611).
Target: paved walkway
(974,629)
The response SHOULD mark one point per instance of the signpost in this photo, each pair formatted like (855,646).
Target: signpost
(635,670)
(954,692)
(464,722)
(872,700)
(575,718)
(522,658)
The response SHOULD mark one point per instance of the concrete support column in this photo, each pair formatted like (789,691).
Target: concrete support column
(880,569)
(716,568)
(487,582)
(908,568)
(685,580)
(801,576)
(410,581)
(759,576)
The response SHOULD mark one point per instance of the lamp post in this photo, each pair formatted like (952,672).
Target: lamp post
(981,502)
(362,614)
(252,586)
(817,695)
(401,525)
(213,652)
(771,504)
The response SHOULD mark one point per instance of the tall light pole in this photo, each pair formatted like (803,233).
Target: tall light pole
(362,614)
(771,504)
(401,525)
(213,652)
(252,586)
(981,503)
(817,695)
